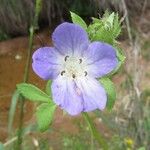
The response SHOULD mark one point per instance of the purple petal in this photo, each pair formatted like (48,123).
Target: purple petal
(46,62)
(65,95)
(69,38)
(101,59)
(94,95)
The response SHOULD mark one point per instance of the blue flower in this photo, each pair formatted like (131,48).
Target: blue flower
(74,64)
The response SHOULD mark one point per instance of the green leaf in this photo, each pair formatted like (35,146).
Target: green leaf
(110,90)
(44,115)
(116,26)
(106,29)
(104,35)
(78,20)
(12,110)
(98,32)
(92,30)
(32,93)
(96,20)
(108,21)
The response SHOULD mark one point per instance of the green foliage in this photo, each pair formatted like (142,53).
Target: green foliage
(32,93)
(12,110)
(110,90)
(45,111)
(78,20)
(44,115)
(106,29)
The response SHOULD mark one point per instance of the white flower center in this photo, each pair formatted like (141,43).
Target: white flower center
(74,67)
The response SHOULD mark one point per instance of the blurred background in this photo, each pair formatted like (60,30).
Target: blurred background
(127,126)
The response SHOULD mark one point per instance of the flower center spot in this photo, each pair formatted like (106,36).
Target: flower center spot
(74,67)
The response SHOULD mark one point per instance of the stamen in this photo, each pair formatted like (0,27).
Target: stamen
(80,61)
(85,73)
(66,57)
(73,75)
(62,72)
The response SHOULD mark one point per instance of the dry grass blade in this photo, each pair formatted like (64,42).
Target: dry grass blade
(13,105)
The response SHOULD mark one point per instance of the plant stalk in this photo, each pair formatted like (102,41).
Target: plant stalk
(22,99)
(33,27)
(96,134)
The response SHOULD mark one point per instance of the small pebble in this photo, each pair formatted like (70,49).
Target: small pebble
(18,57)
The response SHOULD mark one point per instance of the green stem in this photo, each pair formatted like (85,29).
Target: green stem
(26,76)
(27,67)
(100,139)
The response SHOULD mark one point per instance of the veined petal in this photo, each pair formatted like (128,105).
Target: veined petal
(65,94)
(93,94)
(46,62)
(70,38)
(101,59)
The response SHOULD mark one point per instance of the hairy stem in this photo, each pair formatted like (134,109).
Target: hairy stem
(26,76)
(100,139)
(27,67)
